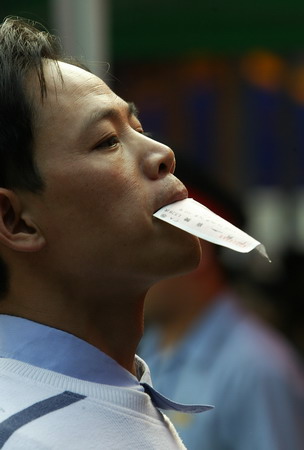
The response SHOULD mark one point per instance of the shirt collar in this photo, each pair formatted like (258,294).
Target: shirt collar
(57,350)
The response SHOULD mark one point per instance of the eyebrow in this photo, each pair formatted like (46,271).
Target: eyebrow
(110,113)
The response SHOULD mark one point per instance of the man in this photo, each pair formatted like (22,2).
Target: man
(202,344)
(79,183)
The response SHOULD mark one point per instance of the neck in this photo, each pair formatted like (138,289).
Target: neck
(113,323)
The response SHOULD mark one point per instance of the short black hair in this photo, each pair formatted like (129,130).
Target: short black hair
(24,46)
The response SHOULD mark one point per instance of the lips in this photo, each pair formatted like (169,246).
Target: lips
(180,195)
(176,194)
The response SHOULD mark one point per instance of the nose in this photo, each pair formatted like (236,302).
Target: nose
(158,159)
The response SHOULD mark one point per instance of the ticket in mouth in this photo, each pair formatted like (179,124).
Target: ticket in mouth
(193,217)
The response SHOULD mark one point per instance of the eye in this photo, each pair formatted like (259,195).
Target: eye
(110,142)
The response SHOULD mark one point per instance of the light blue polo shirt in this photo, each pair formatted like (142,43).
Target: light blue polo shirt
(59,351)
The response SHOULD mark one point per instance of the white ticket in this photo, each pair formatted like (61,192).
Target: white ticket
(193,217)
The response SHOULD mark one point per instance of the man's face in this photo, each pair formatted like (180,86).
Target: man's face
(104,179)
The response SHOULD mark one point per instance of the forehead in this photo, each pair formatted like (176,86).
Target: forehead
(74,96)
(72,93)
(62,78)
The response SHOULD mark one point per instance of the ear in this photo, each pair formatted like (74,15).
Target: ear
(17,230)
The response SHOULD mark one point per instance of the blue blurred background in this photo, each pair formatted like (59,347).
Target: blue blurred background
(223,84)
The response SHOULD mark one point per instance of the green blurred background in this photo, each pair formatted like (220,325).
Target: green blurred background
(143,29)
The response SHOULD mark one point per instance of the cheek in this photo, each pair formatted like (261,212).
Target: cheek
(96,184)
(95,200)
(111,193)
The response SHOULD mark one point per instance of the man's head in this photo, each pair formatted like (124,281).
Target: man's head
(80,180)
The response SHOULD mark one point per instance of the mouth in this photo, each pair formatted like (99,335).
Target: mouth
(180,193)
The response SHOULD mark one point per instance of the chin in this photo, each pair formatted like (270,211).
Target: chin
(178,252)
(186,257)
(192,255)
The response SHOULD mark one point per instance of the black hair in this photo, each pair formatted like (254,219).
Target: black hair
(24,46)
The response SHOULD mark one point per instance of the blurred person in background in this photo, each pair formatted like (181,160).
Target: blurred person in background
(202,344)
